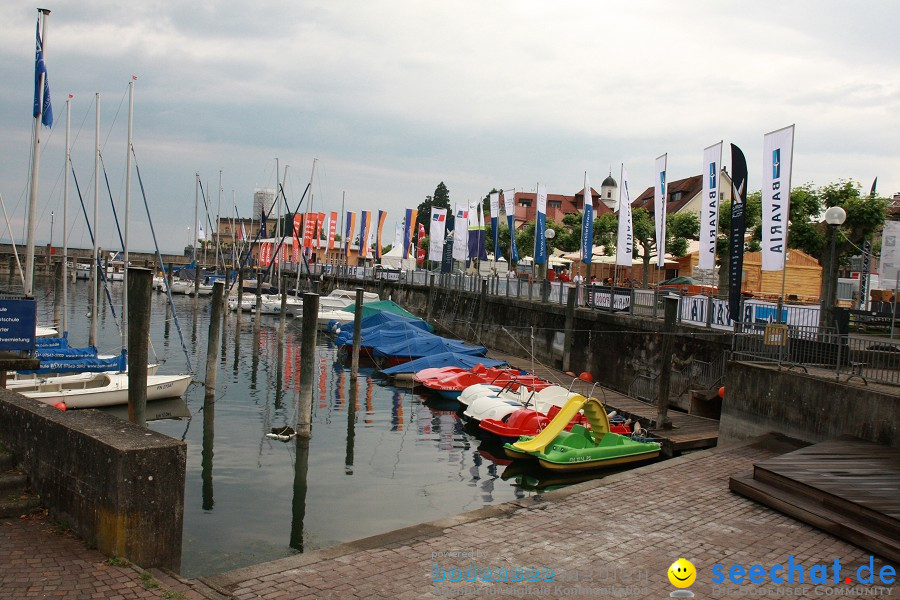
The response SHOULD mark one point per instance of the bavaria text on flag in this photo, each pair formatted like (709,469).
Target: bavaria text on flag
(42,105)
(436,233)
(461,232)
(660,198)
(709,211)
(587,224)
(738,229)
(510,208)
(348,231)
(625,240)
(382,215)
(495,222)
(778,148)
(540,242)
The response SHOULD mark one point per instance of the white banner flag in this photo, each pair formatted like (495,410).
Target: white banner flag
(461,232)
(660,198)
(398,235)
(778,148)
(709,211)
(509,206)
(495,205)
(436,234)
(625,242)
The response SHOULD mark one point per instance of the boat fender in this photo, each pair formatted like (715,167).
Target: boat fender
(60,405)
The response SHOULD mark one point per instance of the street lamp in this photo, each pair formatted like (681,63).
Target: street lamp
(834,217)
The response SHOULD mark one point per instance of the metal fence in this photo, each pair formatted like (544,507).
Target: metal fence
(846,356)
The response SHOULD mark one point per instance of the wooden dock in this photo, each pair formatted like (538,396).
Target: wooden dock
(847,487)
(689,432)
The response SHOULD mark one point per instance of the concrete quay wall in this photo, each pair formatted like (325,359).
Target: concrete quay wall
(759,398)
(120,487)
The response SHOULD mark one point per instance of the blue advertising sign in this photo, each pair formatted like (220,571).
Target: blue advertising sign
(17,324)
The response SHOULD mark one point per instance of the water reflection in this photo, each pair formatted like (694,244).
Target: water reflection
(351,428)
(206,462)
(298,501)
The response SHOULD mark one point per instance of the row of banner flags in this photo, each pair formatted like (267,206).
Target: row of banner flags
(468,234)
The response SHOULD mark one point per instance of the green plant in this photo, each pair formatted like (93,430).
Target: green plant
(118,561)
(149,581)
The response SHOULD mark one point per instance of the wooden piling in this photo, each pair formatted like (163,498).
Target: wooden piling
(307,363)
(665,365)
(569,326)
(283,310)
(357,335)
(212,344)
(140,283)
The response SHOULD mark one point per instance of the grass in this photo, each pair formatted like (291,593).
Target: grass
(149,581)
(118,561)
(170,595)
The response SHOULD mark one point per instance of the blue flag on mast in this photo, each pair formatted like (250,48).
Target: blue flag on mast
(44,109)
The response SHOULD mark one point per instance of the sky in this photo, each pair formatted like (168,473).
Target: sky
(393,97)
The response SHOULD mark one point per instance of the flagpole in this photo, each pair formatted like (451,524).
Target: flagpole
(218,219)
(35,163)
(233,233)
(124,332)
(65,254)
(196,230)
(95,260)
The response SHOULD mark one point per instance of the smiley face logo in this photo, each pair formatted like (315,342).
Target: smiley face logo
(682,573)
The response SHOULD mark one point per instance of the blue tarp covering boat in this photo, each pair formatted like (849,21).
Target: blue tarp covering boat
(385,333)
(384,317)
(446,359)
(51,342)
(415,347)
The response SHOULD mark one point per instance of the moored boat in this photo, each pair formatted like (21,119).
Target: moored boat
(104,389)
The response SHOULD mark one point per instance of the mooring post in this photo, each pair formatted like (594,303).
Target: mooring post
(282,315)
(570,324)
(665,365)
(140,282)
(58,284)
(357,335)
(212,344)
(307,364)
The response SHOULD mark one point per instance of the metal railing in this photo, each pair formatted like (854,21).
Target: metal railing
(822,348)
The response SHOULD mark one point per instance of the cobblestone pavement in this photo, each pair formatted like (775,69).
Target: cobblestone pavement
(614,537)
(39,560)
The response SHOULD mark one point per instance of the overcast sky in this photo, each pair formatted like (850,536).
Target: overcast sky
(394,97)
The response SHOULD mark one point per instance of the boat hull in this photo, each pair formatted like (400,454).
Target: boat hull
(114,392)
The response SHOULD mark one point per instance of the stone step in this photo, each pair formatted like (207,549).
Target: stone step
(16,505)
(12,482)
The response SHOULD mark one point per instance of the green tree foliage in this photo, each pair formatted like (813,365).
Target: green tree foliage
(440,199)
(606,227)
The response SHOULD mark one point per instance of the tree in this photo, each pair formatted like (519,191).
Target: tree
(440,199)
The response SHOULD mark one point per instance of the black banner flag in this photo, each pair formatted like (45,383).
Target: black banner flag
(738,229)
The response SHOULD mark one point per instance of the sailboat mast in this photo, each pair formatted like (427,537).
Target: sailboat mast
(196,231)
(277,212)
(35,162)
(65,252)
(233,232)
(95,259)
(127,212)
(219,218)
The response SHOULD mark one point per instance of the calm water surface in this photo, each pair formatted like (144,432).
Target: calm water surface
(379,459)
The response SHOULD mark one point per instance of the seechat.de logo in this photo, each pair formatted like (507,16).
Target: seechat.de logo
(795,572)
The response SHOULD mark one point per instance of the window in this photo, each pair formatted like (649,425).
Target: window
(554,204)
(525,203)
(676,196)
(608,194)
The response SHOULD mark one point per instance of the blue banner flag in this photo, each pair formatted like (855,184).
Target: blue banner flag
(587,224)
(540,243)
(44,109)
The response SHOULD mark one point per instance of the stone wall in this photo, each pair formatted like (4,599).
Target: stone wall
(118,486)
(760,398)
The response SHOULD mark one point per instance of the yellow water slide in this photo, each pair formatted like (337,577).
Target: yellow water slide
(593,411)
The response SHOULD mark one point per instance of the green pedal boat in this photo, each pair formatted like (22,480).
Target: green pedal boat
(581,448)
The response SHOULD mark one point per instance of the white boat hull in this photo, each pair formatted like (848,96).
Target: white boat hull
(105,389)
(17,380)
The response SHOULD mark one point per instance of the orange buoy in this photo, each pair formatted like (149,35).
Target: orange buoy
(722,392)
(60,405)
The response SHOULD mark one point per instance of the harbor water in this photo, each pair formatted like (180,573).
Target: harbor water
(380,457)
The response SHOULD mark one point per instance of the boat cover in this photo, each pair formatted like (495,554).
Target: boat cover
(51,342)
(370,308)
(445,359)
(425,345)
(81,365)
(386,333)
(382,317)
